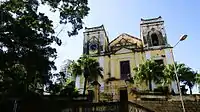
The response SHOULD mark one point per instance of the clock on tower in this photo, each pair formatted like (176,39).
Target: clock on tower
(95,41)
(93,46)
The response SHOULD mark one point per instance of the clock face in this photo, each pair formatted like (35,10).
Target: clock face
(93,47)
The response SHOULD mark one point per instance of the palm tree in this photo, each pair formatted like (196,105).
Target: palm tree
(198,79)
(88,67)
(148,72)
(189,78)
(169,74)
(185,75)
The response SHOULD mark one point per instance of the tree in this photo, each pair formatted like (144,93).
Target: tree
(25,38)
(169,74)
(62,86)
(185,74)
(88,67)
(198,78)
(148,72)
(189,78)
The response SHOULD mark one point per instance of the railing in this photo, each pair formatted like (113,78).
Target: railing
(93,107)
(78,104)
(132,107)
(104,107)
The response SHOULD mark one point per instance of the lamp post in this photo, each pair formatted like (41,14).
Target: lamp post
(175,70)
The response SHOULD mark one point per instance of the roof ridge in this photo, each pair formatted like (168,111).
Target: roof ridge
(126,35)
(98,26)
(132,36)
(149,19)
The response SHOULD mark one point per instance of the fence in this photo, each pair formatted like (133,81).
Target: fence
(62,104)
(132,107)
(106,107)
(93,107)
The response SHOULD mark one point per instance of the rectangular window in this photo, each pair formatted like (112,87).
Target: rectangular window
(124,69)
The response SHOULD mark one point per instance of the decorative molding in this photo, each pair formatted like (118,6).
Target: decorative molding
(124,35)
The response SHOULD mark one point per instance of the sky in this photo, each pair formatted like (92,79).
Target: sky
(123,16)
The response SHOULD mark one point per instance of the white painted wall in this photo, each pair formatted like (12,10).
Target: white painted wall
(169,58)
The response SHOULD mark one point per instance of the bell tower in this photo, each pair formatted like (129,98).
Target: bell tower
(95,41)
(152,32)
(154,38)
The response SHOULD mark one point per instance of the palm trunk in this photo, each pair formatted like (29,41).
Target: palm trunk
(169,88)
(190,90)
(179,90)
(169,91)
(150,84)
(96,91)
(15,106)
(85,83)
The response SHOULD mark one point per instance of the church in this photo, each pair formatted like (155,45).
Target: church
(119,56)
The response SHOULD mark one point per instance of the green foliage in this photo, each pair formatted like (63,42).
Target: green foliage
(185,74)
(75,68)
(130,79)
(88,67)
(106,97)
(169,74)
(25,37)
(198,78)
(189,79)
(183,90)
(149,71)
(62,86)
(63,90)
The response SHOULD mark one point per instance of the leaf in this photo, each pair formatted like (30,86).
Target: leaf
(26,35)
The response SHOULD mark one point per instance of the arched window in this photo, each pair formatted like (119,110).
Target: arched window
(154,39)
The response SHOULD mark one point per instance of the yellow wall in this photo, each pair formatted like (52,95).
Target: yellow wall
(157,54)
(111,63)
(115,60)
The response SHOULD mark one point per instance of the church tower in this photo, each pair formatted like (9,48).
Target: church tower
(95,41)
(153,33)
(95,44)
(154,38)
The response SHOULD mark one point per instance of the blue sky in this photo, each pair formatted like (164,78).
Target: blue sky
(123,16)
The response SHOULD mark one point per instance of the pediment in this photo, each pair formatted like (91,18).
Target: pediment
(125,41)
(123,50)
